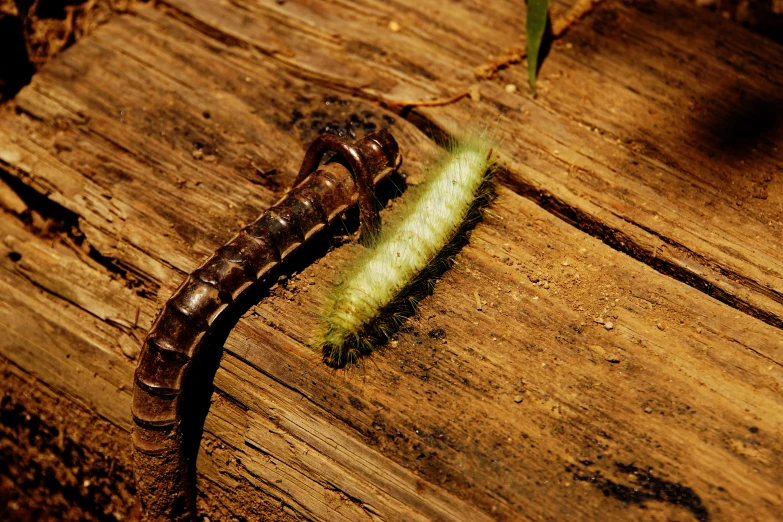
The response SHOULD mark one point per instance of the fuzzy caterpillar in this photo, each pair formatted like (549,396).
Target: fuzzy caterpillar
(380,285)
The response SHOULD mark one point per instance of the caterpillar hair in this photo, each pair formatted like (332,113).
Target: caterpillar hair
(384,283)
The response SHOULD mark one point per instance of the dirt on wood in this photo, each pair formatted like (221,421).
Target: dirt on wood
(60,462)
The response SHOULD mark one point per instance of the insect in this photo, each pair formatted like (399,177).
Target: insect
(380,287)
(164,475)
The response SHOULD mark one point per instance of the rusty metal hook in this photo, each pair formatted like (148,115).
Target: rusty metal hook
(361,172)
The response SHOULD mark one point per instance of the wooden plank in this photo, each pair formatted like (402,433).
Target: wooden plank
(60,322)
(660,139)
(679,399)
(661,390)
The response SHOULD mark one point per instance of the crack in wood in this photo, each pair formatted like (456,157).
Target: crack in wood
(620,241)
(50,220)
(589,224)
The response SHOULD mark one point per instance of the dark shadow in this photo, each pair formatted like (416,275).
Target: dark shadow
(429,128)
(738,128)
(16,69)
(717,116)
(54,9)
(759,17)
(646,487)
(546,44)
(59,221)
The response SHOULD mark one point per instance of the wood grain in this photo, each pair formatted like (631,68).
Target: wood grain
(626,360)
(662,145)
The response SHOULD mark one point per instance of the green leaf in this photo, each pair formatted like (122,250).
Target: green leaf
(536,26)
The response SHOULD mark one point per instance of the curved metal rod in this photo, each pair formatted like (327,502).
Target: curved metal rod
(368,211)
(167,384)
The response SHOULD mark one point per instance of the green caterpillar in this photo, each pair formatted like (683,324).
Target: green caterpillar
(384,284)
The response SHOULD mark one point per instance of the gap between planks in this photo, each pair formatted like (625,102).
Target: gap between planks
(589,223)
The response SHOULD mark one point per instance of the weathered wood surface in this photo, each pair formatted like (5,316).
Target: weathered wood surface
(628,198)
(660,139)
